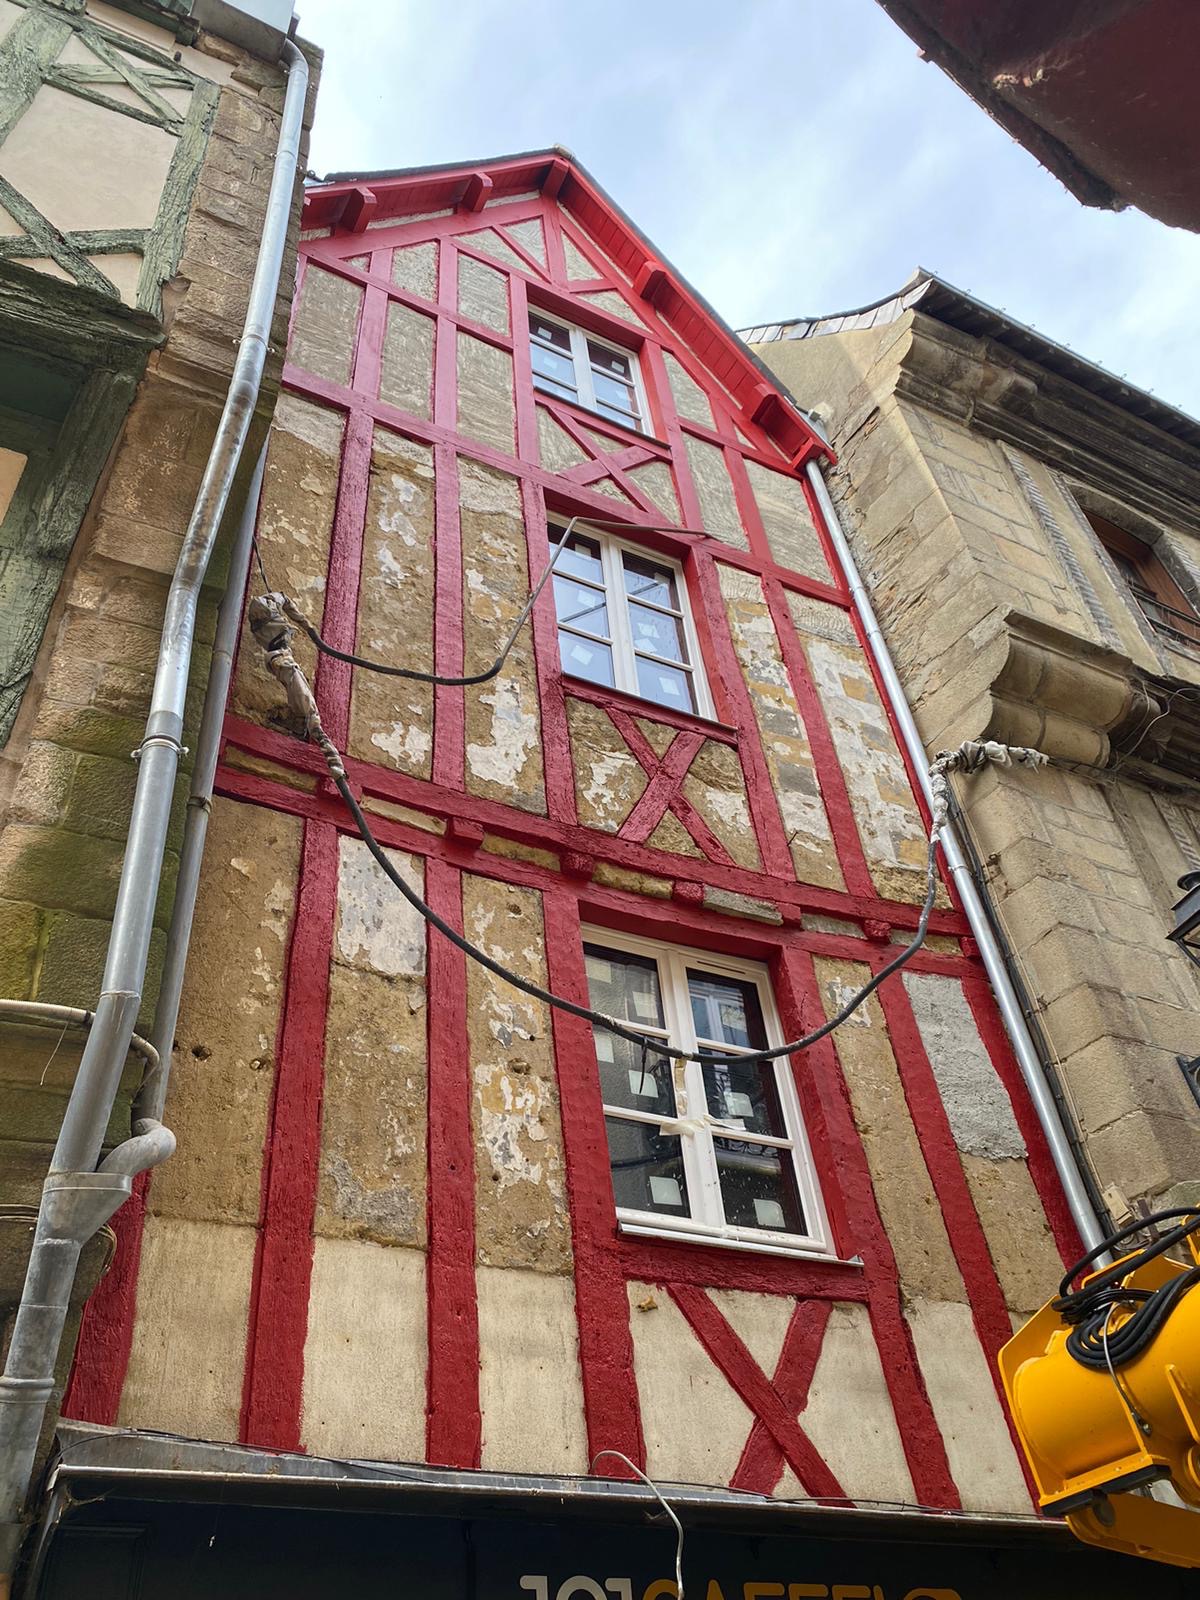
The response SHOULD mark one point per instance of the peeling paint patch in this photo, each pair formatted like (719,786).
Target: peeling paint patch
(521,1217)
(376,926)
(395,607)
(977,1104)
(784,736)
(503,730)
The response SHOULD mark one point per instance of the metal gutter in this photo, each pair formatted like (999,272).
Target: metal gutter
(152,1096)
(132,1465)
(77,1199)
(1092,1232)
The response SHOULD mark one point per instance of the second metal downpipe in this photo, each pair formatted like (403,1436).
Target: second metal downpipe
(77,1199)
(1028,1059)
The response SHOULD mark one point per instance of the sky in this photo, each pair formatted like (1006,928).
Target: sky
(789,157)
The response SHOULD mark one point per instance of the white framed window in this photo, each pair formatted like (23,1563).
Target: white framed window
(710,1152)
(587,370)
(624,621)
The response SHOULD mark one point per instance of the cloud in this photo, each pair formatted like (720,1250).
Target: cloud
(790,157)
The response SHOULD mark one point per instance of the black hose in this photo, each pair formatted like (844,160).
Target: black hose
(1091,1342)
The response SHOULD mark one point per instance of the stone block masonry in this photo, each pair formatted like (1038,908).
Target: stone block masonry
(1008,619)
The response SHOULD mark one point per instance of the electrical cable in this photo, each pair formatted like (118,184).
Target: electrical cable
(1092,1342)
(411,674)
(269,623)
(666,1051)
(620,1455)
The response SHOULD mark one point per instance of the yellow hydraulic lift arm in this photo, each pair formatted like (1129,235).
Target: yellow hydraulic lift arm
(1104,1387)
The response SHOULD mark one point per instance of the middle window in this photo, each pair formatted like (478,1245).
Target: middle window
(701,1146)
(623,621)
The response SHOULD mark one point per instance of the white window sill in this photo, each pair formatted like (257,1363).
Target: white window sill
(734,1240)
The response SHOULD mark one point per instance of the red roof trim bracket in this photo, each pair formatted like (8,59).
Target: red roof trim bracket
(477,192)
(360,207)
(559,176)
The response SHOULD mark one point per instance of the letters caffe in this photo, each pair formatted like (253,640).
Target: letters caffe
(246,1526)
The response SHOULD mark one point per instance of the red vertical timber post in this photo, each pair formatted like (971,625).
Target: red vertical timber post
(941,1155)
(449,719)
(610,1394)
(453,1429)
(273,1386)
(829,1119)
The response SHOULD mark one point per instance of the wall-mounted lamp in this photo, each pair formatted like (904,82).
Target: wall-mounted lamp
(1186,932)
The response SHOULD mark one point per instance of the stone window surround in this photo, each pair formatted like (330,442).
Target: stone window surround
(698,1126)
(1160,542)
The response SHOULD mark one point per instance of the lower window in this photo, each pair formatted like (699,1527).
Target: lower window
(698,1147)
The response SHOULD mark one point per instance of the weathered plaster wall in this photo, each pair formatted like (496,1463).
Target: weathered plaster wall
(469,1299)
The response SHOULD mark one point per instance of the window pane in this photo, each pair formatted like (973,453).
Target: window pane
(646,580)
(621,418)
(666,686)
(550,332)
(726,1011)
(747,1094)
(610,393)
(624,986)
(605,360)
(656,633)
(647,1168)
(758,1187)
(549,364)
(581,607)
(559,390)
(581,558)
(585,658)
(625,1080)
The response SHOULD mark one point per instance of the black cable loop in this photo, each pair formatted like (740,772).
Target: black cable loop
(411,674)
(666,1051)
(1088,1311)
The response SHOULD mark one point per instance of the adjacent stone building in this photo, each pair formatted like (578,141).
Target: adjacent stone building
(418,1217)
(1030,528)
(135,157)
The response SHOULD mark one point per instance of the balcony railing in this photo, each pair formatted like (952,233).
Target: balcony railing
(1179,628)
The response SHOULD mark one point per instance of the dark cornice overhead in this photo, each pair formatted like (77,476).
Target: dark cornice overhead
(936,298)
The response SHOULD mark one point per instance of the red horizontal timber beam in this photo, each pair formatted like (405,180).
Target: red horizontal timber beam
(541,832)
(706,1267)
(685,915)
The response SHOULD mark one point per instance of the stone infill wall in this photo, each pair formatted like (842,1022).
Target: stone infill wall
(1007,620)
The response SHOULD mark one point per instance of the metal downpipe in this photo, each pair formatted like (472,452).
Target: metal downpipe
(153,1093)
(76,1199)
(1032,1069)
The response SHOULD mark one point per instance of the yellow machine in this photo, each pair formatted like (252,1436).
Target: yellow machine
(1104,1387)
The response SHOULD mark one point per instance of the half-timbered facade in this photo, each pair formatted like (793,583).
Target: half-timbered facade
(396,1227)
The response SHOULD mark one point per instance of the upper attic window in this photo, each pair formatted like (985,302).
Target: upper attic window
(1160,599)
(588,371)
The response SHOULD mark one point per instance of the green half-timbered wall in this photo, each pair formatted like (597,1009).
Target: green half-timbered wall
(80,308)
(55,46)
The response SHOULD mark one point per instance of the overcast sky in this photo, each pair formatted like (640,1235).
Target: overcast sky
(789,157)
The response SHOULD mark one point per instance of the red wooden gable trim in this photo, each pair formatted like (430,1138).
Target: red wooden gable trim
(689,319)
